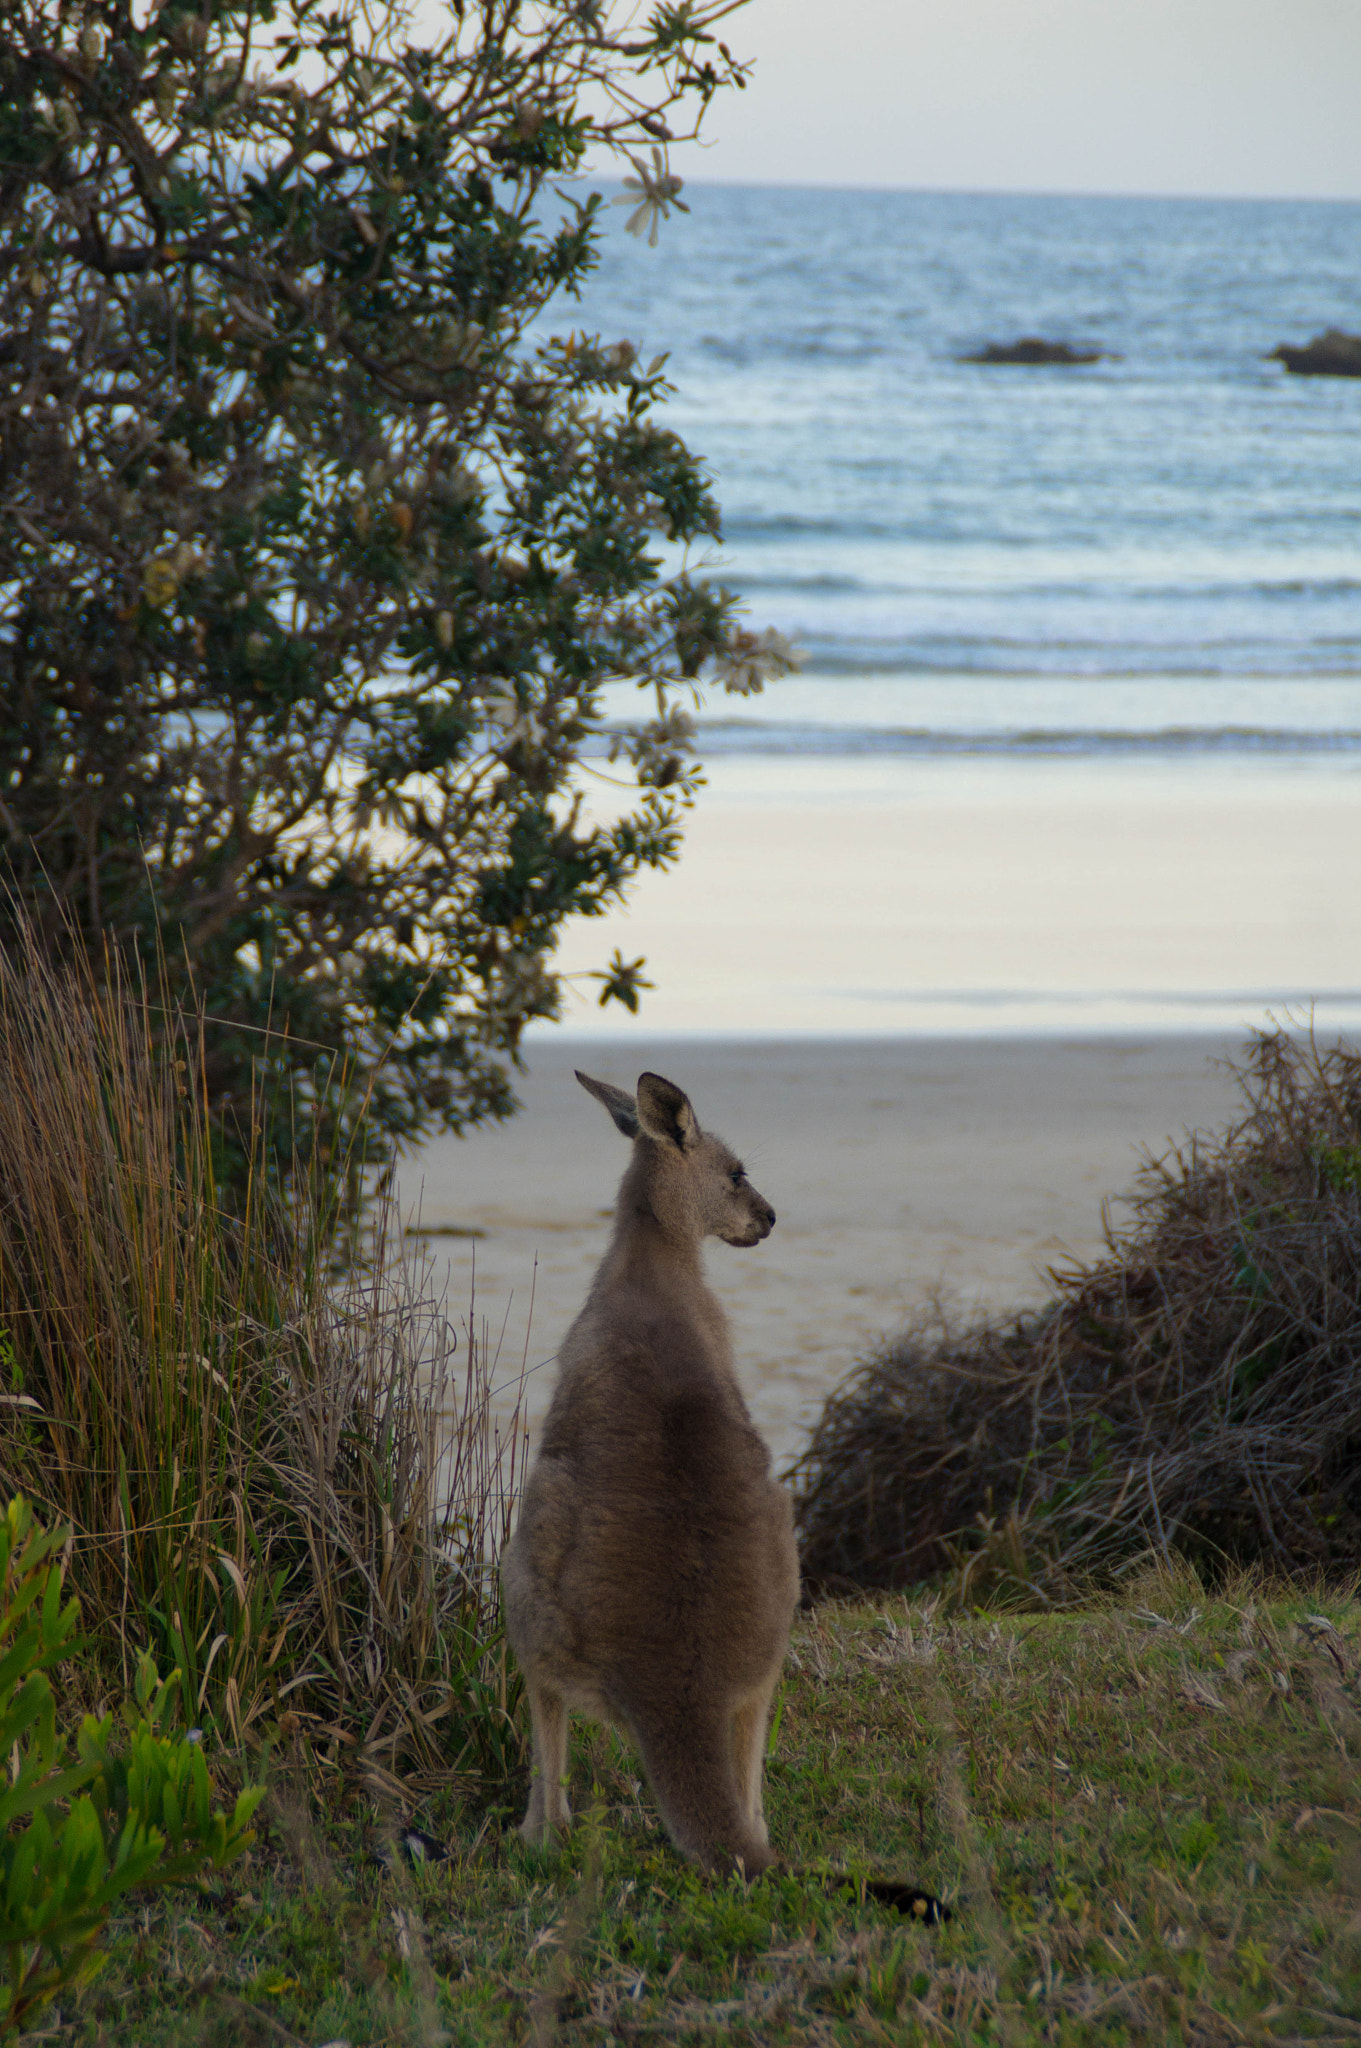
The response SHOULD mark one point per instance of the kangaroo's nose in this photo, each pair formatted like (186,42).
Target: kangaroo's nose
(770,1216)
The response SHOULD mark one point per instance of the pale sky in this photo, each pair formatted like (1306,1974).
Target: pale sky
(1215,97)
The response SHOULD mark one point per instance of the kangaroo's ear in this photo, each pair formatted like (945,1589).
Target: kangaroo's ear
(620,1106)
(664,1112)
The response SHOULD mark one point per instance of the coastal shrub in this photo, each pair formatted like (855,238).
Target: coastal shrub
(317,550)
(1195,1389)
(75,1837)
(281,1480)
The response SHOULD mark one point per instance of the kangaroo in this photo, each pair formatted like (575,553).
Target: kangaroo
(653,1577)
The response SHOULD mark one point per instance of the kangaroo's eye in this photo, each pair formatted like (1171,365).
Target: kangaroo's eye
(739,1174)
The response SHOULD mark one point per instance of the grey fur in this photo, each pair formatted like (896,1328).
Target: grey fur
(653,1577)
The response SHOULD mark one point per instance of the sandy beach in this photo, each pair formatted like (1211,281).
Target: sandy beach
(897,1168)
(936,1008)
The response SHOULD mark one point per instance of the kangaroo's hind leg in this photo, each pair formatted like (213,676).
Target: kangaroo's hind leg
(749,1754)
(548,1810)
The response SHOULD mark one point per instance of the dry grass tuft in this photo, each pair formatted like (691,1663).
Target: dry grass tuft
(284,1483)
(1196,1390)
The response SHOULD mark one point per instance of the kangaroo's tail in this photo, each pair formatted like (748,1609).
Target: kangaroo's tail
(693,1778)
(694,1782)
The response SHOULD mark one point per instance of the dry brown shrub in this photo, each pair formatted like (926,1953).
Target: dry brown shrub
(1195,1389)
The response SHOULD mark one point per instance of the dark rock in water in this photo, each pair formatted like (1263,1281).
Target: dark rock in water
(1330,354)
(1032,349)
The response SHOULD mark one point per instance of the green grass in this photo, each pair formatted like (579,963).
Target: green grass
(1148,1819)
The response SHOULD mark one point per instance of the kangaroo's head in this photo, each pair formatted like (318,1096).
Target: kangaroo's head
(685,1177)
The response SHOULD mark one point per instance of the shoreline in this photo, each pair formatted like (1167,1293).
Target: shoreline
(901,1170)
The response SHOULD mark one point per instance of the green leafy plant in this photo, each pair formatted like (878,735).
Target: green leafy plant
(317,548)
(75,1838)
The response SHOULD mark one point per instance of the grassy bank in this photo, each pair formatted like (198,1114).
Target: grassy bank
(1146,1817)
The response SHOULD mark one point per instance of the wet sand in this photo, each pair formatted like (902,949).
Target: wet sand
(898,1168)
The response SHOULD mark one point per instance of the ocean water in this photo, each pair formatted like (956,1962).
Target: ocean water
(1157,554)
(1077,744)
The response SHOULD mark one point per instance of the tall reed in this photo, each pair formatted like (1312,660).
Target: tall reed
(282,1480)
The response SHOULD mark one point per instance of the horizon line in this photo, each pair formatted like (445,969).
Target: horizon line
(777,184)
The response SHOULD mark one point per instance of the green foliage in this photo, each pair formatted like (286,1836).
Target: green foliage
(622,981)
(1340,1166)
(316,550)
(121,1817)
(153,1781)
